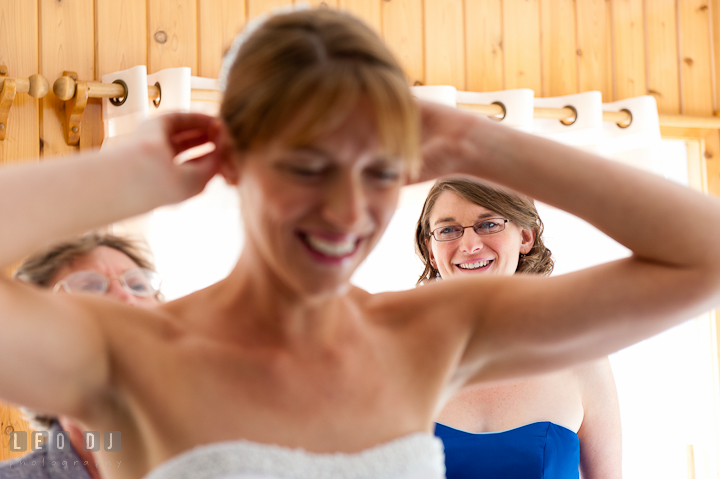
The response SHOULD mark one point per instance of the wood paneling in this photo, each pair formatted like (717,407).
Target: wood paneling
(623,48)
(484,46)
(662,54)
(712,161)
(11,420)
(19,53)
(521,41)
(121,35)
(367,10)
(220,21)
(67,33)
(172,34)
(629,48)
(710,142)
(695,61)
(715,25)
(594,47)
(256,7)
(320,3)
(559,52)
(444,43)
(403,33)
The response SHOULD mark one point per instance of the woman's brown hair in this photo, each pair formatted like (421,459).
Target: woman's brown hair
(517,208)
(315,66)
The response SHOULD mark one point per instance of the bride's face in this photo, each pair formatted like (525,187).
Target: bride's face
(313,212)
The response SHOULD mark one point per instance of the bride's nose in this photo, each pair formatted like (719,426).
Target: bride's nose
(345,203)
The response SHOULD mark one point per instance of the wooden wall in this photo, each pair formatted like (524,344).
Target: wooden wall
(667,48)
(623,48)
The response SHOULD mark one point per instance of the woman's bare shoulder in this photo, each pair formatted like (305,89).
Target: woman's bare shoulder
(594,377)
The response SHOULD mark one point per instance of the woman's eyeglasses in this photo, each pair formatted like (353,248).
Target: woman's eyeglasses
(138,281)
(487,226)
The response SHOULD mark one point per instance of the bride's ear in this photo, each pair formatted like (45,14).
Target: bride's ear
(229,157)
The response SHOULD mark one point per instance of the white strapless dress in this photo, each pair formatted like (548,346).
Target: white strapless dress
(417,456)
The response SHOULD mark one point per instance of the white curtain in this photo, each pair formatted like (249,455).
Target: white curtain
(197,242)
(665,384)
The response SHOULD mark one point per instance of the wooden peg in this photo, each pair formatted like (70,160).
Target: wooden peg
(7,96)
(65,88)
(74,108)
(36,85)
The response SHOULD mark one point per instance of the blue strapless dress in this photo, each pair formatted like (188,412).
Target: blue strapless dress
(541,450)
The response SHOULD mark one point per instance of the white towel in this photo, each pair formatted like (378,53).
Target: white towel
(417,456)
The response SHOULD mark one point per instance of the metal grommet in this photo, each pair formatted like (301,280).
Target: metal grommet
(504,111)
(567,122)
(156,101)
(120,101)
(627,123)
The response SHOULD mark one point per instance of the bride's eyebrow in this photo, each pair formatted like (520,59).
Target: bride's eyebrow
(312,150)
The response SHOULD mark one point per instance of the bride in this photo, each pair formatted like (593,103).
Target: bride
(283,364)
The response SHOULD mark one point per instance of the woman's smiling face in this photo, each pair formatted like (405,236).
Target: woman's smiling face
(472,253)
(313,213)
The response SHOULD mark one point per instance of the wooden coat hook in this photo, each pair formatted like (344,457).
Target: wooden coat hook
(75,104)
(36,86)
(75,94)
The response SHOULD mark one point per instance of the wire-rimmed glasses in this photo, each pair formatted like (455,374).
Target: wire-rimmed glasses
(138,281)
(487,226)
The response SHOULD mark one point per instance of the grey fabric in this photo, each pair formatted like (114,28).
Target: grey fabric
(39,465)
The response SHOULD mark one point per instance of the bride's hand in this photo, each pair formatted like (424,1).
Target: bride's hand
(162,139)
(447,142)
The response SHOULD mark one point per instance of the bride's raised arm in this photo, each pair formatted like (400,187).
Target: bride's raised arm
(55,354)
(519,325)
(47,201)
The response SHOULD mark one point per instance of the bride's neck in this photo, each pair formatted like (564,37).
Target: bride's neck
(259,301)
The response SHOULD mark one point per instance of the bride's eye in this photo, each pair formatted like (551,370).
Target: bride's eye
(304,169)
(385,174)
(306,172)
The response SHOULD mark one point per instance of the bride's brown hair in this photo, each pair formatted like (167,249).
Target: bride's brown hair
(315,66)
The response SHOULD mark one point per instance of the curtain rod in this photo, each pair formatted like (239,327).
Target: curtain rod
(65,87)
(35,85)
(623,118)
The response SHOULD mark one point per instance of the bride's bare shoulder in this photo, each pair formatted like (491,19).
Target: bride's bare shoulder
(419,298)
(409,307)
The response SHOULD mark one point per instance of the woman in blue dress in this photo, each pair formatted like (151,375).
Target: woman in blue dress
(553,425)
